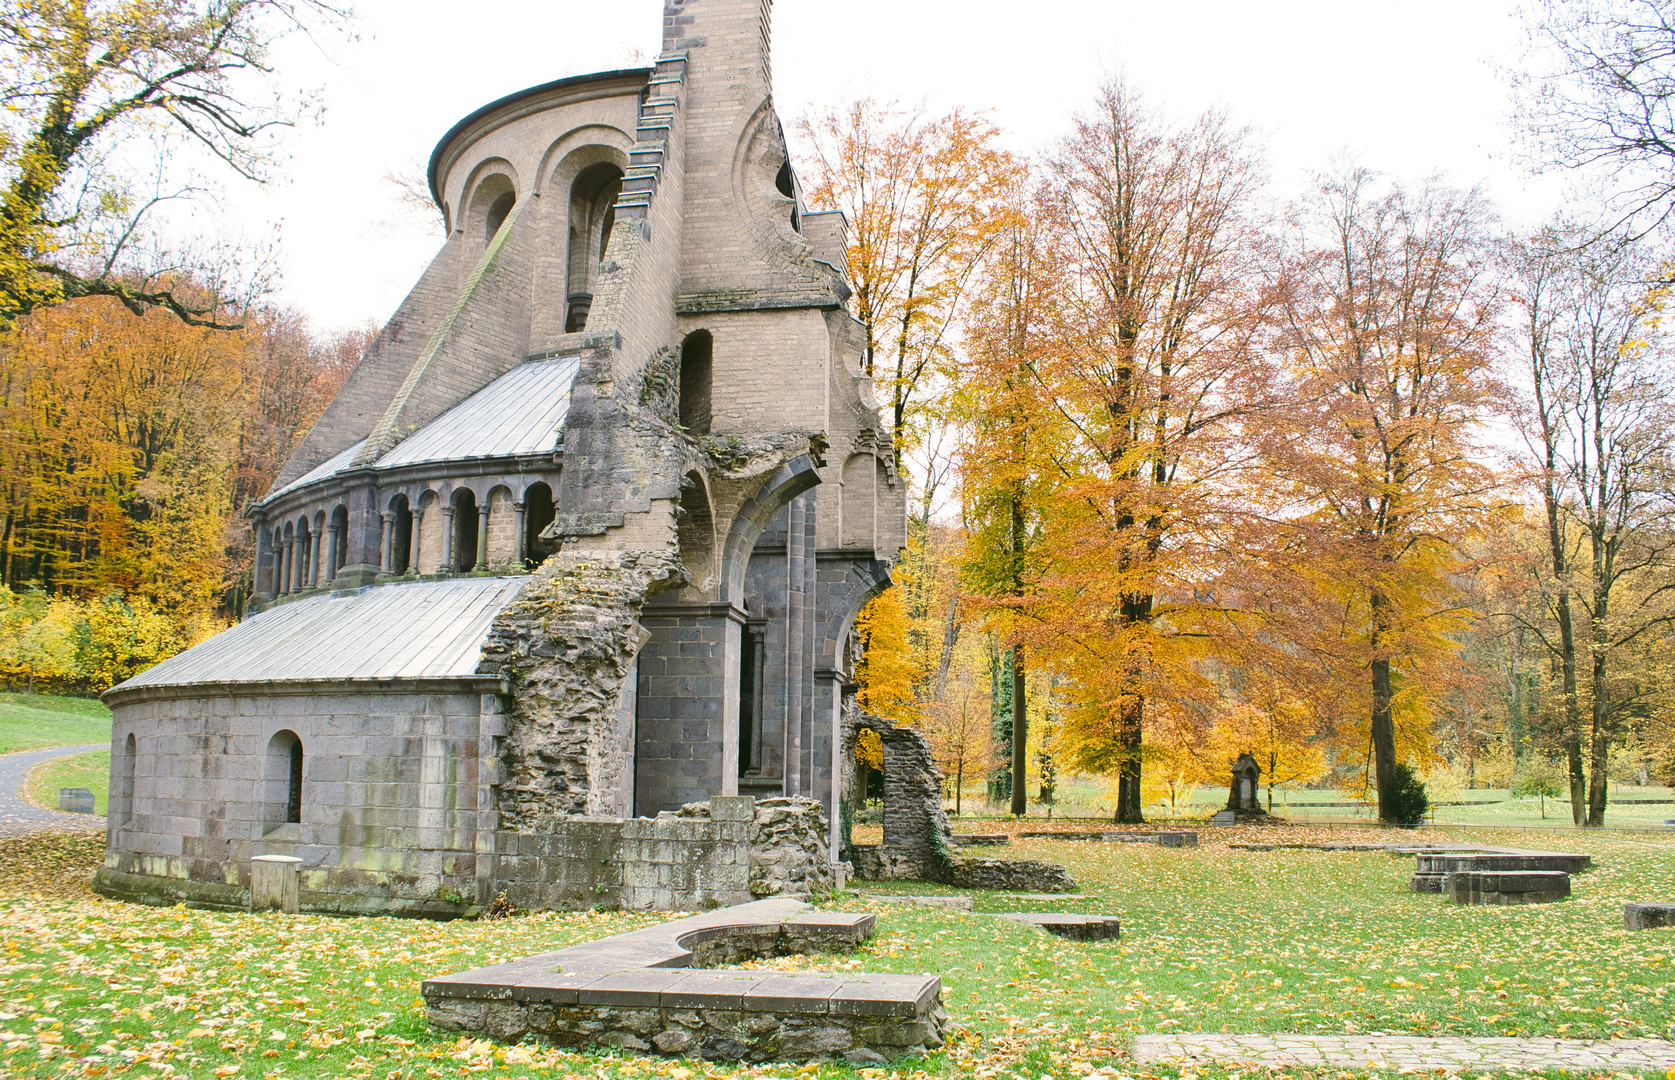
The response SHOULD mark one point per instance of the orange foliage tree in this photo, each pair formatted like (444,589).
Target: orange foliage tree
(129,445)
(1389,327)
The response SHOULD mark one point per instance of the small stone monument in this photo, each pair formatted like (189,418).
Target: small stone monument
(75,800)
(273,883)
(1247,776)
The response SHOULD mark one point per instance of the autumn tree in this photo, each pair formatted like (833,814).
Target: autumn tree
(1390,328)
(1149,361)
(1006,482)
(129,446)
(107,105)
(925,199)
(1598,417)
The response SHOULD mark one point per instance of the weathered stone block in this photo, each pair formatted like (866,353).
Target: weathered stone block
(1648,916)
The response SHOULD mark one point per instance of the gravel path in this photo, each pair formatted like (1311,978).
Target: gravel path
(18,817)
(1404,1053)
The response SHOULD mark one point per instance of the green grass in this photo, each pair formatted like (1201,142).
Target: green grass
(32,721)
(91,770)
(1214,939)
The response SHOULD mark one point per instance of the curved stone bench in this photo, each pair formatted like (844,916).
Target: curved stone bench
(647,990)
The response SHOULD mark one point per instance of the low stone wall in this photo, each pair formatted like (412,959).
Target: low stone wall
(641,991)
(1432,868)
(727,851)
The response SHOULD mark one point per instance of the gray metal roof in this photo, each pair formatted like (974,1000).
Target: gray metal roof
(319,472)
(522,412)
(402,630)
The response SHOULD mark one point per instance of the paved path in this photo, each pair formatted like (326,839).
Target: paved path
(1402,1052)
(18,817)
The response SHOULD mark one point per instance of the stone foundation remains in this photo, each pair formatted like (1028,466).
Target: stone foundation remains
(1433,867)
(642,991)
(1506,886)
(730,850)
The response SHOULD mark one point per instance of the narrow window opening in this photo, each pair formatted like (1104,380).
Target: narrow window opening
(787,186)
(496,216)
(293,794)
(696,377)
(282,781)
(465,530)
(125,783)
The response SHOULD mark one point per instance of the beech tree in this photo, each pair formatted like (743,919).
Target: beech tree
(103,100)
(1390,327)
(1597,94)
(1151,362)
(1598,417)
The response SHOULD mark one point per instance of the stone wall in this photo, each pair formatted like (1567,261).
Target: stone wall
(730,850)
(917,838)
(393,782)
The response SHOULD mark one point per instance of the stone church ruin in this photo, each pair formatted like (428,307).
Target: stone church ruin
(580,542)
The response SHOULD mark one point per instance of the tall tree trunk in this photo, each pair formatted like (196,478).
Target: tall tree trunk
(1600,737)
(1572,710)
(950,638)
(1020,737)
(1129,739)
(1383,721)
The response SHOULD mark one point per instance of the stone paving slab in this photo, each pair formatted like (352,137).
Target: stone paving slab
(1404,1052)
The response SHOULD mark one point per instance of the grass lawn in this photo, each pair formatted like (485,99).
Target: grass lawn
(1213,940)
(30,721)
(91,770)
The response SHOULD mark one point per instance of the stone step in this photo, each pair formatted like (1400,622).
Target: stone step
(1506,886)
(954,903)
(1069,925)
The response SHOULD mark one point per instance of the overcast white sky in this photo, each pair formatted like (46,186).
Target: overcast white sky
(1409,85)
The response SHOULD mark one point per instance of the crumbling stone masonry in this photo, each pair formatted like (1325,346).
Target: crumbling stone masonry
(917,839)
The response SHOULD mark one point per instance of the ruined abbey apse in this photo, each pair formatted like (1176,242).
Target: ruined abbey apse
(581,541)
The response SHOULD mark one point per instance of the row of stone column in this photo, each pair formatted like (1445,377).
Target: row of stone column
(298,558)
(302,562)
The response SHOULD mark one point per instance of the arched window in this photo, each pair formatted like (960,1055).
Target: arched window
(490,203)
(538,513)
(592,214)
(282,781)
(302,578)
(696,377)
(465,530)
(122,801)
(401,534)
(340,532)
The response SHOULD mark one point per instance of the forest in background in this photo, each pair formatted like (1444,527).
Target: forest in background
(130,446)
